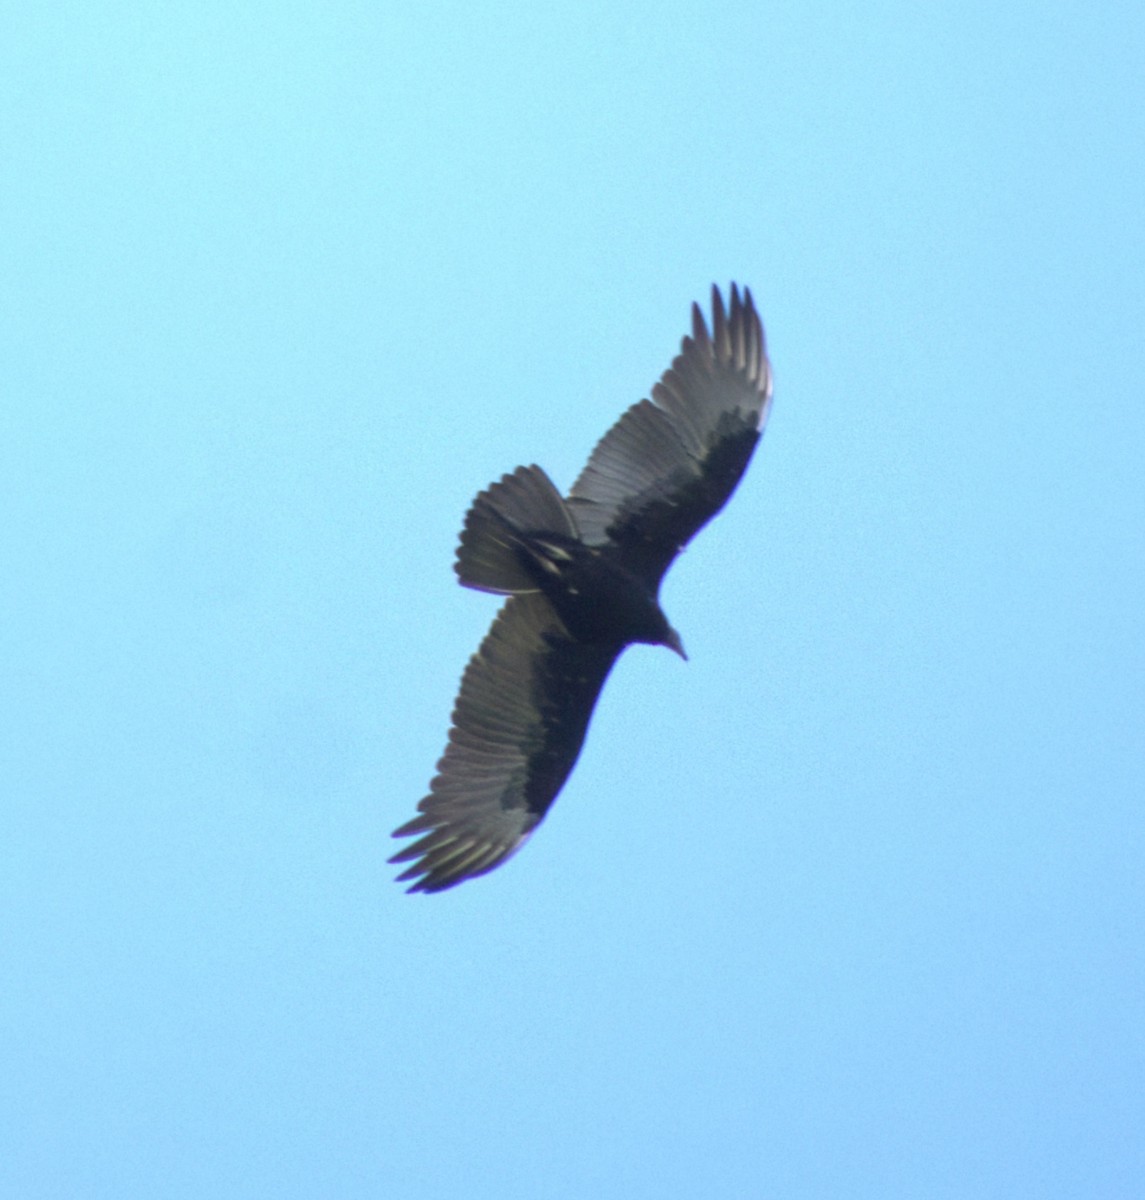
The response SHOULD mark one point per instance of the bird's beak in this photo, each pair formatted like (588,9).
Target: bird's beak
(672,641)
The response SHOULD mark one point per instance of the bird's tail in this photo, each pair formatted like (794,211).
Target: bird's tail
(501,526)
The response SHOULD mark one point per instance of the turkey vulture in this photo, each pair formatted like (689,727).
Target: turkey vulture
(582,575)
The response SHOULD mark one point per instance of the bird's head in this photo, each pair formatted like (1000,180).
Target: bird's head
(672,641)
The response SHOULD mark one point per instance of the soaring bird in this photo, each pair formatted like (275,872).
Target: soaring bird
(582,574)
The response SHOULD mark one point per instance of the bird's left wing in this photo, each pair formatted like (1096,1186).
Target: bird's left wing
(670,463)
(518,725)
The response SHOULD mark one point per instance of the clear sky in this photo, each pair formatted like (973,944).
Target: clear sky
(849,905)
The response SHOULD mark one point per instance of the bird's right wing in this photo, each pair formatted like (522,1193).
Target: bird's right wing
(670,463)
(518,725)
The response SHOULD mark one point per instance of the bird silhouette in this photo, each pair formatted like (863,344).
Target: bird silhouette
(582,574)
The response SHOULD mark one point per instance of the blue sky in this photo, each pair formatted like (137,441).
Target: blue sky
(848,905)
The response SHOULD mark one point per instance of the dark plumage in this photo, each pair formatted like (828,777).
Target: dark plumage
(582,575)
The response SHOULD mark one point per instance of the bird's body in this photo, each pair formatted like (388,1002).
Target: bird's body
(582,575)
(596,596)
